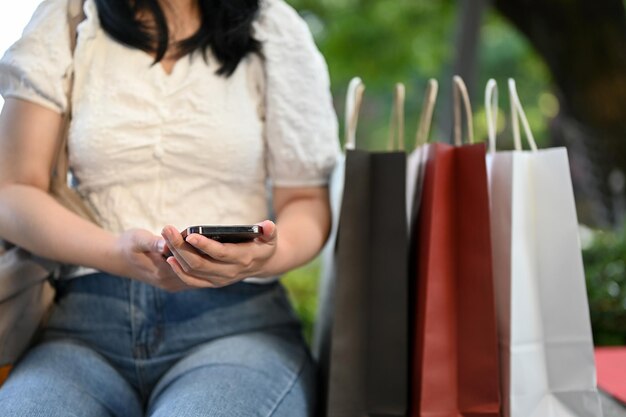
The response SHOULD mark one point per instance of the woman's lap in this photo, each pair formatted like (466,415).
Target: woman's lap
(63,378)
(238,352)
(252,374)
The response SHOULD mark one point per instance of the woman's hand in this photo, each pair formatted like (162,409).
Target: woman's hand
(142,255)
(303,215)
(202,262)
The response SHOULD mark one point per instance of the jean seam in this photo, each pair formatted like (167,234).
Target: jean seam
(134,332)
(289,388)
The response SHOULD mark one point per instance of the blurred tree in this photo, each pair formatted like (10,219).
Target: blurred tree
(386,41)
(583,43)
(383,42)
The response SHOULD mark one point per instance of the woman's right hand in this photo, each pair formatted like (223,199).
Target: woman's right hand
(142,258)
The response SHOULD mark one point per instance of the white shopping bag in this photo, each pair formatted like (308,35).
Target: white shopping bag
(416,160)
(544,328)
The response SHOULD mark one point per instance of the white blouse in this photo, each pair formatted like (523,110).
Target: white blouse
(150,149)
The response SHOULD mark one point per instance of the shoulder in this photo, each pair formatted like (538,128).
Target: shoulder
(277,20)
(50,16)
(35,67)
(47,29)
(301,125)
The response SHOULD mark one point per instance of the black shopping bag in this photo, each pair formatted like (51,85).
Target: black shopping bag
(367,352)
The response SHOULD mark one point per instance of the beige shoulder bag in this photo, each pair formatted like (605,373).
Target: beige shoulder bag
(25,293)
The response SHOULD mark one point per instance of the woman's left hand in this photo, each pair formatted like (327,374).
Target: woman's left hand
(200,261)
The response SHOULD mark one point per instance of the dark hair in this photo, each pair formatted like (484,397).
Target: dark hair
(226,28)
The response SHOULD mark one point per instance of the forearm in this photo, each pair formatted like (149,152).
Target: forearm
(303,226)
(32,219)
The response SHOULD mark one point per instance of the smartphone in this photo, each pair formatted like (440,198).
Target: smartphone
(226,234)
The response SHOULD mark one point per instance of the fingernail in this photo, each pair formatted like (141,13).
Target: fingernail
(161,245)
(192,240)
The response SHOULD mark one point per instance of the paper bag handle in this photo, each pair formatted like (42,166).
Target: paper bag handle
(354,98)
(491,110)
(517,114)
(396,127)
(460,92)
(426,118)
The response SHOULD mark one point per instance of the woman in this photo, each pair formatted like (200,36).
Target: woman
(182,111)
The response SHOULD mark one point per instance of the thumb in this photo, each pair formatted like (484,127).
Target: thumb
(149,243)
(269,231)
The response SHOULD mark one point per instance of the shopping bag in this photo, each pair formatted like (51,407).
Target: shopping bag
(455,352)
(321,340)
(545,336)
(367,373)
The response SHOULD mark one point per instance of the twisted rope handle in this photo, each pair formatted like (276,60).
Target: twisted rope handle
(517,114)
(460,93)
(426,118)
(354,98)
(491,110)
(396,127)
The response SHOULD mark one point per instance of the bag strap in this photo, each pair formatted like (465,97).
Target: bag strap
(517,113)
(426,118)
(460,92)
(354,98)
(75,15)
(58,181)
(396,127)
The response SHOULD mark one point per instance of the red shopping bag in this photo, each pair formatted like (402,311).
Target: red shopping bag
(455,351)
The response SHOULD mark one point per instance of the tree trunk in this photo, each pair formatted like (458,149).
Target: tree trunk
(469,19)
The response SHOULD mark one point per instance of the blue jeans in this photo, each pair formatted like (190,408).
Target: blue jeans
(116,347)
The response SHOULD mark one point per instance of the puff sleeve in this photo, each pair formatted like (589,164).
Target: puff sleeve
(301,127)
(37,67)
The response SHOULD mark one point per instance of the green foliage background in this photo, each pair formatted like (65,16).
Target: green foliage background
(410,41)
(605,265)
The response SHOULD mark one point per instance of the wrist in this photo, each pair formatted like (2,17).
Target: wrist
(108,255)
(280,261)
